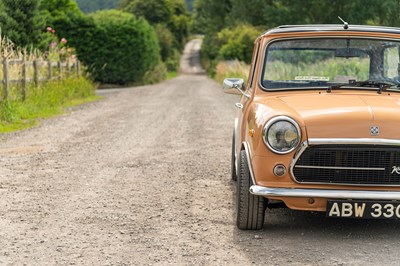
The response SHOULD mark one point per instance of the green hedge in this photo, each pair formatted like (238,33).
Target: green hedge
(115,46)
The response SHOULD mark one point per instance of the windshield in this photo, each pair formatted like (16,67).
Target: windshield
(314,63)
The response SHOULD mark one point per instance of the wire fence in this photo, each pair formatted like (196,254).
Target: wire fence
(17,71)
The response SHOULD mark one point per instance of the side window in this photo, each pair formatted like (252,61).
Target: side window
(391,62)
(253,66)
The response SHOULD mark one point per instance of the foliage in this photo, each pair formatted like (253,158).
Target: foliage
(47,100)
(21,22)
(210,16)
(89,6)
(213,17)
(189,4)
(234,43)
(57,7)
(158,74)
(165,40)
(237,43)
(171,13)
(228,69)
(130,42)
(115,46)
(170,19)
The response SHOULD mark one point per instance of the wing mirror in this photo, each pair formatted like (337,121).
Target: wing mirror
(234,86)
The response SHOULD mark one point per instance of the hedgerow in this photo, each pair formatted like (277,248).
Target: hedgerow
(115,46)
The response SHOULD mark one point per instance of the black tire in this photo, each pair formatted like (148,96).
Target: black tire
(250,209)
(233,166)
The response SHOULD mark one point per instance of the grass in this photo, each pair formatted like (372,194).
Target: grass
(331,68)
(231,69)
(172,74)
(284,71)
(47,100)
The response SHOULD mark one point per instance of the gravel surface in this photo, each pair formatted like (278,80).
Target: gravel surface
(142,178)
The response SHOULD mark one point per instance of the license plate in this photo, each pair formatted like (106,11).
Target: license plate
(363,209)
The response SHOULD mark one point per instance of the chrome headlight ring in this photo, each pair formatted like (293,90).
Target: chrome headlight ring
(281,134)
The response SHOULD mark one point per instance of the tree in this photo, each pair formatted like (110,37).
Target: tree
(172,13)
(89,6)
(57,7)
(21,22)
(189,4)
(210,16)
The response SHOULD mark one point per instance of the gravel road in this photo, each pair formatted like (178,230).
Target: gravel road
(142,178)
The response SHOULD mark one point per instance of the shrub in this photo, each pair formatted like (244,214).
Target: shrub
(229,44)
(115,46)
(172,62)
(165,40)
(158,74)
(171,13)
(238,42)
(129,47)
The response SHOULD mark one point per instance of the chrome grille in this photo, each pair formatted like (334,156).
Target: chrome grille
(348,164)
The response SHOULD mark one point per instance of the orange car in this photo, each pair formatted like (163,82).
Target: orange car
(318,127)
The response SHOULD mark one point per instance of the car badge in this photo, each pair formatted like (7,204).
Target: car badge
(374,130)
(395,169)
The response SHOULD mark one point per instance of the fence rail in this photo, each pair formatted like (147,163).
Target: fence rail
(66,68)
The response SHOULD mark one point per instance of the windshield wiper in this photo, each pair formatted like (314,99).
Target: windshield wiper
(382,86)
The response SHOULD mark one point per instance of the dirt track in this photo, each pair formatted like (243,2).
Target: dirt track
(142,178)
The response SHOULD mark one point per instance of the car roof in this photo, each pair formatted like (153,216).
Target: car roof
(331,27)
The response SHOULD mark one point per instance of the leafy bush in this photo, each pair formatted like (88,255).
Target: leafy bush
(158,74)
(169,54)
(129,47)
(237,43)
(171,13)
(20,22)
(165,40)
(115,46)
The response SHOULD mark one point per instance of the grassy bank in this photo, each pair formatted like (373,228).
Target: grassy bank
(44,101)
(231,69)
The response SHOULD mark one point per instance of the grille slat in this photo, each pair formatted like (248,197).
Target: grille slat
(348,164)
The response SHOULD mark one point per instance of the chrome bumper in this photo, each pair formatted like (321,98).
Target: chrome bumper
(325,193)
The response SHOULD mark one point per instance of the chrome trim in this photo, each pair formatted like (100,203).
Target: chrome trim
(339,168)
(274,120)
(239,105)
(365,141)
(246,148)
(325,193)
(296,157)
(230,84)
(235,132)
(264,53)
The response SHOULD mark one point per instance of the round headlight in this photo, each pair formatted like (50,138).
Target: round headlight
(281,134)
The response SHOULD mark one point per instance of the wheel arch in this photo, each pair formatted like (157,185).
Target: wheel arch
(246,148)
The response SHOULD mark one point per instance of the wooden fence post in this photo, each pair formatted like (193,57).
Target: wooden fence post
(35,72)
(59,70)
(68,68)
(50,69)
(24,79)
(78,68)
(6,78)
